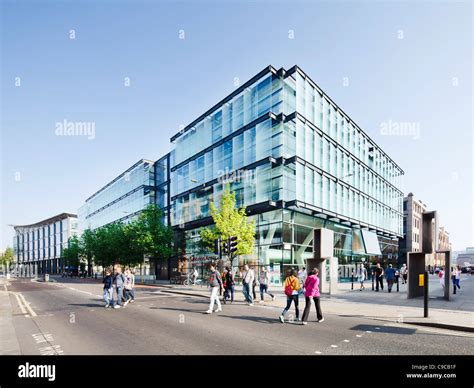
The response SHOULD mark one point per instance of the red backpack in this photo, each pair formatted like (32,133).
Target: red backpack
(289,288)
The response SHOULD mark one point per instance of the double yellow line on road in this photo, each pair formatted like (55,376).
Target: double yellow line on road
(22,303)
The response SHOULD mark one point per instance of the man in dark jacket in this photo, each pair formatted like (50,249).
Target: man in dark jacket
(379,277)
(108,289)
(215,283)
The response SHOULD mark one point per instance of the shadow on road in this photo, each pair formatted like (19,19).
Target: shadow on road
(384,329)
(87,304)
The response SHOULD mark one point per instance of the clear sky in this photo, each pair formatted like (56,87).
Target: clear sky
(384,63)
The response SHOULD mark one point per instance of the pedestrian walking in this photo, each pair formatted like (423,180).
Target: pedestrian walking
(379,277)
(311,286)
(108,289)
(195,276)
(229,285)
(254,284)
(248,277)
(361,276)
(390,276)
(264,279)
(132,291)
(127,287)
(441,276)
(457,276)
(302,275)
(291,287)
(119,281)
(404,272)
(215,283)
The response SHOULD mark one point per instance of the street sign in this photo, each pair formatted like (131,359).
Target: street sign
(421,280)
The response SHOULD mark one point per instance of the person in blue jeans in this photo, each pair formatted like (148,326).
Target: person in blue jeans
(119,280)
(108,289)
(248,277)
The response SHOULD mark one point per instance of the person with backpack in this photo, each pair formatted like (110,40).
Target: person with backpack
(264,280)
(291,287)
(229,285)
(215,282)
(311,286)
(248,277)
(108,289)
(119,281)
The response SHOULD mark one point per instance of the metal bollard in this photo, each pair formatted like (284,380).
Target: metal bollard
(373,288)
(426,296)
(398,281)
(352,280)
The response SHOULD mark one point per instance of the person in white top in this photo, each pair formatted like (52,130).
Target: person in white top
(302,275)
(264,279)
(248,276)
(457,276)
(195,276)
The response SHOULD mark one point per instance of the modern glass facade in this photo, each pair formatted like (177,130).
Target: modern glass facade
(38,247)
(121,199)
(291,156)
(297,161)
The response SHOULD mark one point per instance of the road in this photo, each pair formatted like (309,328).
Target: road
(69,318)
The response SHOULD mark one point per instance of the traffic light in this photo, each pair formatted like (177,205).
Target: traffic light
(232,245)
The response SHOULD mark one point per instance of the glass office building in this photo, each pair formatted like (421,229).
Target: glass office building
(38,247)
(121,199)
(298,162)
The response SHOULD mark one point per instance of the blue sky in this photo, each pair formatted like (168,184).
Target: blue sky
(382,62)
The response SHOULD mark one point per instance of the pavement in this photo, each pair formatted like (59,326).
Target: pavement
(67,316)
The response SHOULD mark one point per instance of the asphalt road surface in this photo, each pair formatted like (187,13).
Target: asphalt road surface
(69,318)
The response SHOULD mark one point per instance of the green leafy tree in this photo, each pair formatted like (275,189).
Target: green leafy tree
(87,246)
(7,258)
(152,236)
(230,221)
(71,254)
(108,245)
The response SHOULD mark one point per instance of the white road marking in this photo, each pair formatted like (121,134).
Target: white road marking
(23,311)
(27,305)
(377,328)
(333,346)
(51,350)
(317,352)
(41,338)
(368,331)
(358,335)
(347,341)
